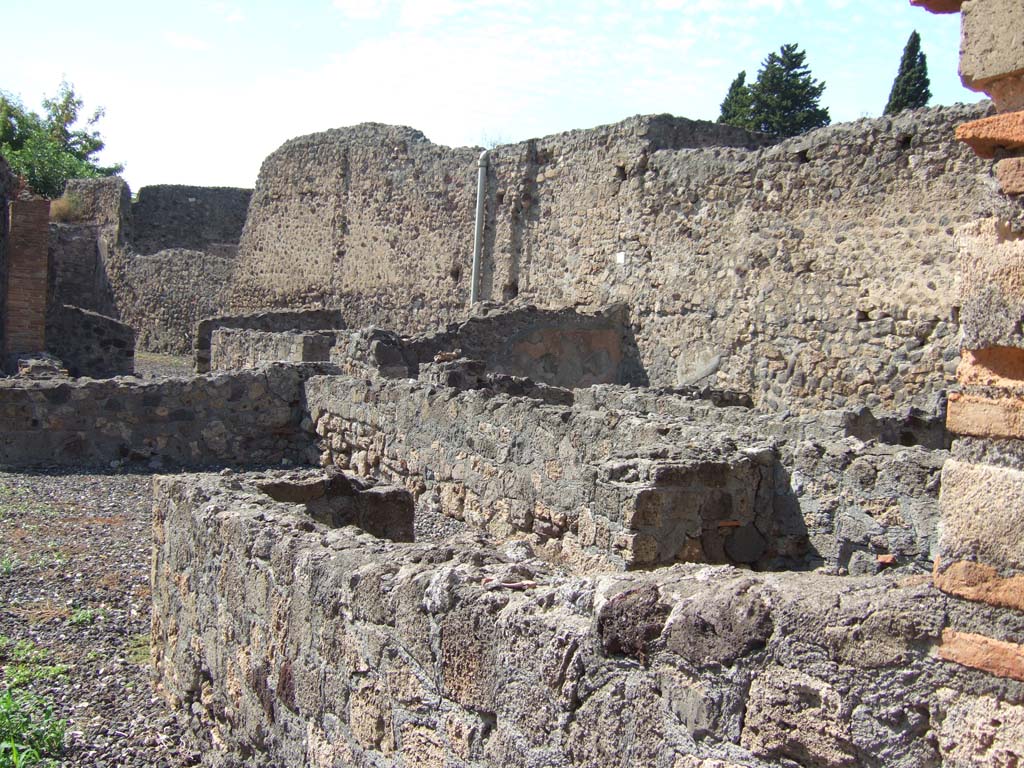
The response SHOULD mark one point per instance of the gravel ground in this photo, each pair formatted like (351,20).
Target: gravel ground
(75,551)
(74,595)
(74,581)
(150,365)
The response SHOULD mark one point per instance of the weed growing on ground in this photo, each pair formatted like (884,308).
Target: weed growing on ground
(30,734)
(20,675)
(28,663)
(138,649)
(83,617)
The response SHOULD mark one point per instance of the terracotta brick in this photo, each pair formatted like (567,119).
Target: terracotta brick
(987,135)
(27,269)
(980,583)
(938,6)
(996,657)
(1010,173)
(980,416)
(1000,367)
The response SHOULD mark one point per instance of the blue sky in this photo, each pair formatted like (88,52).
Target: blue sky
(199,92)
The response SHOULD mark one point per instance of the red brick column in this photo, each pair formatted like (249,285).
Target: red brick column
(27,271)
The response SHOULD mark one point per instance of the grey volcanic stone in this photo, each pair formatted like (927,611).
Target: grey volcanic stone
(297,644)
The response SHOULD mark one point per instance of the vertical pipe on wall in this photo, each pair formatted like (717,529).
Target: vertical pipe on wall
(478,230)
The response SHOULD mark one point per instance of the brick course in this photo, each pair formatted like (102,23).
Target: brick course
(28,262)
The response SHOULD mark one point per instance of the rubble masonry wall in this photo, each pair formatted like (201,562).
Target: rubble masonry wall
(284,642)
(816,272)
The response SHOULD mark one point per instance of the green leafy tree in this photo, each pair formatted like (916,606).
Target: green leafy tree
(736,106)
(910,88)
(784,100)
(48,150)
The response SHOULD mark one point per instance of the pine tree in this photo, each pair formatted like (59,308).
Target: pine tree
(910,88)
(736,107)
(784,100)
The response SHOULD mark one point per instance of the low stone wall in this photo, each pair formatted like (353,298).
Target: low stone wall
(598,489)
(252,417)
(232,348)
(90,344)
(864,492)
(563,348)
(614,476)
(208,219)
(281,641)
(269,322)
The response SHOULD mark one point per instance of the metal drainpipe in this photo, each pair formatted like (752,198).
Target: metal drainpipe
(478,231)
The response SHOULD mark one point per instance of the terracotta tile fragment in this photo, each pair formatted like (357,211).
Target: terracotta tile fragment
(980,583)
(996,657)
(987,135)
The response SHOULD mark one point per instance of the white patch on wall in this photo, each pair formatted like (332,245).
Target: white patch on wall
(620,257)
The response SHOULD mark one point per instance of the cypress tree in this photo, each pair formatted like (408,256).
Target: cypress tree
(736,106)
(910,88)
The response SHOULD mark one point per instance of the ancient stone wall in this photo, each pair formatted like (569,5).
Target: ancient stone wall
(232,349)
(103,202)
(252,417)
(171,216)
(374,219)
(90,344)
(164,295)
(284,641)
(268,323)
(159,265)
(603,488)
(78,275)
(813,273)
(561,348)
(612,476)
